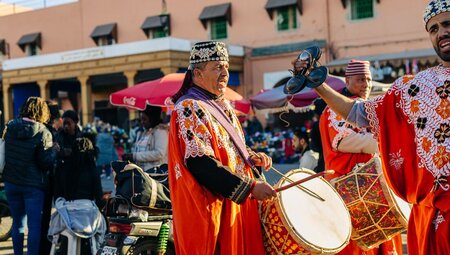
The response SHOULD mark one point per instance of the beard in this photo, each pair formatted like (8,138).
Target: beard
(445,56)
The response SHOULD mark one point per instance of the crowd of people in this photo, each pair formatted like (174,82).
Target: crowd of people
(216,166)
(49,157)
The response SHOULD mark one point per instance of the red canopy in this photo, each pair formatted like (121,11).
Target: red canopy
(156,92)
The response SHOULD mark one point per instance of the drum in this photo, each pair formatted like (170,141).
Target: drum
(307,219)
(377,213)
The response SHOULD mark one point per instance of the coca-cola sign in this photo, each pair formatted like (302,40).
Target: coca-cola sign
(129,100)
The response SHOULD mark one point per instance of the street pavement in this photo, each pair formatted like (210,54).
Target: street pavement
(108,185)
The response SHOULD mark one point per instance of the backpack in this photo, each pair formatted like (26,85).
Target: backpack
(139,187)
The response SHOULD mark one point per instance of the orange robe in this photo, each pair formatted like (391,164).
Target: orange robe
(412,122)
(206,223)
(333,129)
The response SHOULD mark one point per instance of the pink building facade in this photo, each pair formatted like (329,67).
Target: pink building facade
(78,53)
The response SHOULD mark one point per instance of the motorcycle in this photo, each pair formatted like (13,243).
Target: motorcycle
(134,229)
(5,216)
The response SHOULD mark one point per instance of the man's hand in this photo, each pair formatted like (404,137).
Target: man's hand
(299,65)
(263,191)
(261,159)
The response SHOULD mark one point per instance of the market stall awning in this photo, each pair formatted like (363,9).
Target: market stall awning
(275,99)
(158,92)
(396,59)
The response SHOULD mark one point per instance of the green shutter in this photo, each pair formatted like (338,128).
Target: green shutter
(286,18)
(293,15)
(283,18)
(219,28)
(159,32)
(361,9)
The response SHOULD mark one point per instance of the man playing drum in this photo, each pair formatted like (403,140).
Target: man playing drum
(211,173)
(345,146)
(412,124)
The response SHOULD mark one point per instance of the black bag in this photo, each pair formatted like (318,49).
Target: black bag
(139,187)
(160,174)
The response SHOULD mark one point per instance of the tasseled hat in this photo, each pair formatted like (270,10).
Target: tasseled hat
(434,8)
(202,52)
(357,67)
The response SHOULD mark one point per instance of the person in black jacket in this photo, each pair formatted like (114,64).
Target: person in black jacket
(78,179)
(66,136)
(54,124)
(29,154)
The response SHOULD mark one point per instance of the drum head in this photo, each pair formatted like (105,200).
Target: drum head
(403,206)
(323,225)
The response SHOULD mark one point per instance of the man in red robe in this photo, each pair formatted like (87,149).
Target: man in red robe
(346,146)
(412,125)
(211,172)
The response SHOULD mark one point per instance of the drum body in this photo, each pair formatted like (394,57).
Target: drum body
(298,222)
(377,213)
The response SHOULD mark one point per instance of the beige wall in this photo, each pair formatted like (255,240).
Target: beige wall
(397,27)
(68,27)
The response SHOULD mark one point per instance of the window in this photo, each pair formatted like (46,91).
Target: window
(218,28)
(216,18)
(30,43)
(361,9)
(106,40)
(157,26)
(286,18)
(4,46)
(158,33)
(31,50)
(105,34)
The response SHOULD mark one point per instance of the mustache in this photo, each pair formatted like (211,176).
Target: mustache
(443,37)
(223,78)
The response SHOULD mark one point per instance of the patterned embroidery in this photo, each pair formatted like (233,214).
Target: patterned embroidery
(439,182)
(421,122)
(336,122)
(194,122)
(193,130)
(371,107)
(413,90)
(424,100)
(442,133)
(444,90)
(396,159)
(177,171)
(444,109)
(240,192)
(438,220)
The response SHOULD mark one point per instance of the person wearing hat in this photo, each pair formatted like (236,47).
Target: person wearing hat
(212,173)
(346,146)
(412,125)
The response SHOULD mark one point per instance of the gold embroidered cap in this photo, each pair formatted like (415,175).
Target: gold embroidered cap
(208,51)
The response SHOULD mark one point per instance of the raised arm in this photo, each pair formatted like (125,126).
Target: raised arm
(341,104)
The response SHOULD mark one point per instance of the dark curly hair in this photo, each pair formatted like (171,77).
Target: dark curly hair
(36,109)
